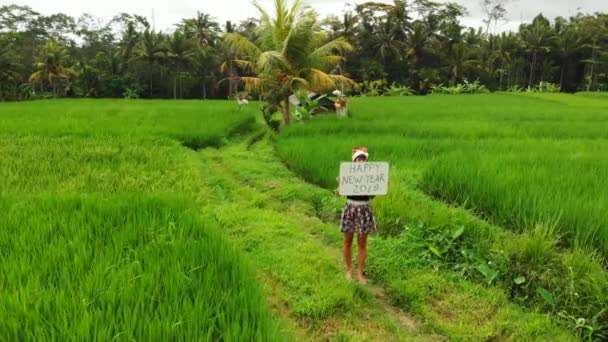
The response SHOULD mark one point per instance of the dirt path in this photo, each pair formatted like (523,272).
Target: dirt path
(273,217)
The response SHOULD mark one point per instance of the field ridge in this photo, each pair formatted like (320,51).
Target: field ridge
(287,228)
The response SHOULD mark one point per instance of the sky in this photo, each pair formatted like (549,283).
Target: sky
(166,13)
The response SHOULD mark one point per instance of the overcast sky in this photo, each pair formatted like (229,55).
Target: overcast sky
(167,13)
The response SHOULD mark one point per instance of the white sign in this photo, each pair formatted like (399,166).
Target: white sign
(363,178)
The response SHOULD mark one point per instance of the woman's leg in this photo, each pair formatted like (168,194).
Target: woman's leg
(348,258)
(362,242)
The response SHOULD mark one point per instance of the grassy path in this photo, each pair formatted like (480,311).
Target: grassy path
(287,229)
(275,219)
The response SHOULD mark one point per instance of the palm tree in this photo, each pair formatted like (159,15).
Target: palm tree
(205,62)
(507,45)
(130,37)
(9,65)
(458,60)
(150,49)
(387,41)
(52,65)
(289,55)
(201,28)
(569,42)
(537,38)
(10,71)
(180,54)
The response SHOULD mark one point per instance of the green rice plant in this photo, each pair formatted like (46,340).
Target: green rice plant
(122,268)
(519,161)
(101,237)
(194,123)
(99,164)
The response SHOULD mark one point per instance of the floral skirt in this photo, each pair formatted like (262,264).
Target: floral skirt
(358,219)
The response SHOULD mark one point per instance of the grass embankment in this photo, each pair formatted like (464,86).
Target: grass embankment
(288,228)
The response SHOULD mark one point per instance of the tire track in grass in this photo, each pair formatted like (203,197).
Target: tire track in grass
(269,213)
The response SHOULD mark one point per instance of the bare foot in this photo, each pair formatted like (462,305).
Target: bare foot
(362,279)
(349,275)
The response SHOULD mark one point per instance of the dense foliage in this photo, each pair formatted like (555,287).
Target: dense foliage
(417,44)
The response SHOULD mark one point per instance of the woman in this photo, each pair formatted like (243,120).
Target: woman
(357,218)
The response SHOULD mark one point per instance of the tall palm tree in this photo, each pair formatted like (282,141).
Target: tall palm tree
(202,28)
(10,71)
(537,38)
(52,65)
(180,53)
(150,49)
(290,54)
(458,59)
(507,45)
(387,41)
(206,61)
(130,37)
(569,42)
(9,65)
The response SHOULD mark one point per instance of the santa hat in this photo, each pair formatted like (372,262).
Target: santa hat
(360,152)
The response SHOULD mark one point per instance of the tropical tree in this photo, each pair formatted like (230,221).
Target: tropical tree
(202,28)
(291,54)
(537,37)
(150,50)
(458,60)
(130,38)
(570,40)
(507,48)
(10,70)
(52,65)
(180,53)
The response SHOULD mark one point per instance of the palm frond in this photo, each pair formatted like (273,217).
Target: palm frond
(321,81)
(252,84)
(243,64)
(241,44)
(271,60)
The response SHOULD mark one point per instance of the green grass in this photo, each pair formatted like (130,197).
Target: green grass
(525,162)
(102,235)
(122,268)
(194,123)
(115,230)
(288,228)
(515,159)
(71,164)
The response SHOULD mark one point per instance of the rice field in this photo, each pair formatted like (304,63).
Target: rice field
(108,233)
(195,124)
(519,160)
(102,238)
(122,268)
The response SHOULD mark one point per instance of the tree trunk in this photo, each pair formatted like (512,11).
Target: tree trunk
(502,73)
(592,65)
(204,90)
(175,87)
(286,115)
(181,86)
(231,82)
(590,78)
(561,77)
(532,70)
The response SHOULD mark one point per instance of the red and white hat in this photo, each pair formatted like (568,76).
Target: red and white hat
(360,152)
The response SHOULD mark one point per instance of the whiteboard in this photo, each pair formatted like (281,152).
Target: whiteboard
(363,178)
